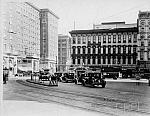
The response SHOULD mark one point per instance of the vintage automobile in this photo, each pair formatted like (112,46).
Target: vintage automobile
(92,79)
(110,75)
(67,77)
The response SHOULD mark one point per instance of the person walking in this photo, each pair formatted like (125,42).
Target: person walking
(138,77)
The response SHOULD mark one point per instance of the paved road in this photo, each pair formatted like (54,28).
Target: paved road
(116,99)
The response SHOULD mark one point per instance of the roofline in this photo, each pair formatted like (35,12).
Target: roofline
(33,6)
(47,10)
(108,23)
(132,29)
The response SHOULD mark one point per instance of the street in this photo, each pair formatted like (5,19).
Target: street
(118,98)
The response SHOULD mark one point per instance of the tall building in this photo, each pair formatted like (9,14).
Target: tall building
(64,52)
(105,48)
(144,39)
(21,40)
(48,39)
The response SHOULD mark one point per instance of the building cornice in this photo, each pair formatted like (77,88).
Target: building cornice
(47,10)
(115,30)
(33,6)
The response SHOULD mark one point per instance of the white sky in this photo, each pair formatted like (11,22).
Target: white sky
(85,13)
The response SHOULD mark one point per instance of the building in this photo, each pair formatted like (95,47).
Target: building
(144,39)
(48,39)
(64,52)
(21,40)
(105,48)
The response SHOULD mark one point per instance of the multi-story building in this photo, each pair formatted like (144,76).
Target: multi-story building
(21,40)
(144,39)
(105,47)
(64,52)
(48,39)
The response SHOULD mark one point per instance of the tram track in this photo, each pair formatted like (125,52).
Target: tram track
(101,101)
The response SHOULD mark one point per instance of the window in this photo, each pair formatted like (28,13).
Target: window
(119,49)
(79,40)
(129,59)
(142,43)
(78,50)
(142,55)
(104,49)
(114,38)
(99,50)
(84,40)
(104,60)
(109,49)
(94,39)
(142,36)
(119,60)
(93,60)
(78,61)
(148,54)
(129,49)
(89,40)
(114,49)
(74,50)
(149,43)
(99,39)
(119,38)
(114,60)
(99,60)
(142,22)
(109,60)
(73,61)
(124,38)
(134,49)
(134,59)
(104,39)
(124,49)
(74,40)
(83,50)
(109,38)
(83,61)
(135,38)
(89,50)
(94,50)
(129,38)
(124,60)
(89,60)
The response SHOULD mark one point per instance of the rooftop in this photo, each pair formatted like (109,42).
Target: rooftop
(114,30)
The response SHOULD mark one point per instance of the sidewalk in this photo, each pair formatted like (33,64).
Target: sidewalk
(32,108)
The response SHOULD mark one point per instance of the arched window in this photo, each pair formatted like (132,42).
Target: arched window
(79,50)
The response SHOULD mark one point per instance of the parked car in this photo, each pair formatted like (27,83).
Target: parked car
(91,79)
(109,75)
(67,77)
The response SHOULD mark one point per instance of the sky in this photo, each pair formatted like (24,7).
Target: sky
(82,14)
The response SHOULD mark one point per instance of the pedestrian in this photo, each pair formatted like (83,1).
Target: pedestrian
(149,81)
(138,77)
(5,75)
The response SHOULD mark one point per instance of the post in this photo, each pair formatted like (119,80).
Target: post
(56,63)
